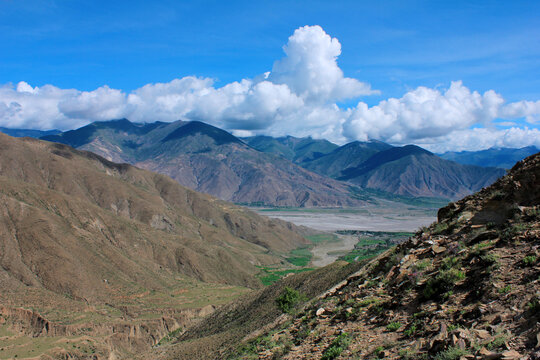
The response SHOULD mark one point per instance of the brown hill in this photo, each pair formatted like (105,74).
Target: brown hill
(71,220)
(467,287)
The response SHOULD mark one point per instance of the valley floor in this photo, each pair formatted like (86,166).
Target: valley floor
(389,217)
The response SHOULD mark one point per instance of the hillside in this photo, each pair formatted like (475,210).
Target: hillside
(209,160)
(467,287)
(495,157)
(88,246)
(413,171)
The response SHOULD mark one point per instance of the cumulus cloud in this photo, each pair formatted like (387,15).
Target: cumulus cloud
(483,138)
(298,97)
(310,68)
(423,113)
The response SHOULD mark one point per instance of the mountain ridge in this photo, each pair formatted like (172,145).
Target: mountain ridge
(210,160)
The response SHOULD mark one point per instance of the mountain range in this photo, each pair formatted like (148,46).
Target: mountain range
(285,171)
(408,170)
(209,160)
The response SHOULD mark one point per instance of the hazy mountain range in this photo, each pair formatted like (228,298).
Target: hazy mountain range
(498,157)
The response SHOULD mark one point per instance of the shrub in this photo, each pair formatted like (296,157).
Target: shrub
(453,353)
(534,306)
(529,260)
(394,326)
(288,299)
(442,283)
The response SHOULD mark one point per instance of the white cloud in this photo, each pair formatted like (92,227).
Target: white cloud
(422,113)
(298,97)
(310,68)
(455,118)
(482,138)
(530,110)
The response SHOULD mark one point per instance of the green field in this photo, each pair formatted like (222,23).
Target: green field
(372,243)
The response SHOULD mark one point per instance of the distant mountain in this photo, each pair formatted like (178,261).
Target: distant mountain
(495,157)
(344,157)
(413,171)
(28,132)
(298,150)
(211,160)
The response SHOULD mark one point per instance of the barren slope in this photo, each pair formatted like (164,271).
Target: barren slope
(71,219)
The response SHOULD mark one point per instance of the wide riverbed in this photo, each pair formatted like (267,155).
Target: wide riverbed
(400,218)
(390,218)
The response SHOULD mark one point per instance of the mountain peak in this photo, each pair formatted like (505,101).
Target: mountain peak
(192,128)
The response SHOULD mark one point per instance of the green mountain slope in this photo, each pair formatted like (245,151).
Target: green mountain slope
(298,150)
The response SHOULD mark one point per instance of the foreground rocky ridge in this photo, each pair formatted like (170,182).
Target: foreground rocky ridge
(467,287)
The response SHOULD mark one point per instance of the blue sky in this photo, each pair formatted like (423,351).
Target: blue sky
(394,46)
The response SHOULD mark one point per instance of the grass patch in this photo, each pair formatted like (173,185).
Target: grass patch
(322,238)
(394,326)
(268,275)
(300,257)
(340,343)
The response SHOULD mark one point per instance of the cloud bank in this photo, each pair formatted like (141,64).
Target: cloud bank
(298,97)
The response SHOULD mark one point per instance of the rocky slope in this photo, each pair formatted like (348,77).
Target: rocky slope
(467,287)
(209,160)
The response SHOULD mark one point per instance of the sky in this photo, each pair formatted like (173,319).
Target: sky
(445,75)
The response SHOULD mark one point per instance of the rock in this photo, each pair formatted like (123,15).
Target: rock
(485,354)
(320,311)
(511,355)
(438,249)
(482,334)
